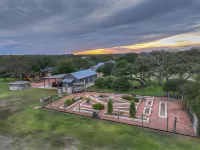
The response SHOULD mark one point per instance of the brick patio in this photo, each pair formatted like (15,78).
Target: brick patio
(155,122)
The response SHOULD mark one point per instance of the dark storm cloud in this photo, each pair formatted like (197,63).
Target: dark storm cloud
(64,26)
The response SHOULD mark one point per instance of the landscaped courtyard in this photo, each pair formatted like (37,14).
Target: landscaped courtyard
(152,112)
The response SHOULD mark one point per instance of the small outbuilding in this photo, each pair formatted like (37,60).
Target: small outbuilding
(19,85)
(46,72)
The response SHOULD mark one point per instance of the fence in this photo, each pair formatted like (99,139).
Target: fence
(146,116)
(144,91)
(193,118)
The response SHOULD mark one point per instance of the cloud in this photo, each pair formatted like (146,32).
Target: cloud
(5,43)
(60,26)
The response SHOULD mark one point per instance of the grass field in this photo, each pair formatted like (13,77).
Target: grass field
(25,128)
(151,91)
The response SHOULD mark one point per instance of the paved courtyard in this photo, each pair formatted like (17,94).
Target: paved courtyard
(152,109)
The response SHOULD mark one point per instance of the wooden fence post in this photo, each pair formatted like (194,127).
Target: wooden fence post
(142,119)
(118,115)
(50,103)
(42,102)
(167,123)
(197,129)
(79,108)
(175,125)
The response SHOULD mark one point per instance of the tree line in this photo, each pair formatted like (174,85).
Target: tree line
(160,65)
(16,65)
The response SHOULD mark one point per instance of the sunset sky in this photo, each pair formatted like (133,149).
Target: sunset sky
(97,26)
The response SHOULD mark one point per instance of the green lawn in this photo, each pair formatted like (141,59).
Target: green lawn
(23,127)
(151,91)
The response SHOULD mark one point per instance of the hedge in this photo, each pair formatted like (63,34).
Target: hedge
(127,97)
(136,99)
(98,106)
(68,102)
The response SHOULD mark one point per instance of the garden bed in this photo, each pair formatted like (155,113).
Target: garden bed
(149,98)
(149,103)
(127,117)
(147,111)
(124,108)
(70,106)
(162,113)
(84,110)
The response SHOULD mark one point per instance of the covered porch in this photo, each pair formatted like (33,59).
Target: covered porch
(53,82)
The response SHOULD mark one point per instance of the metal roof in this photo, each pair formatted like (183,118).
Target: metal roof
(83,74)
(58,76)
(47,69)
(19,82)
(102,63)
(98,65)
(68,80)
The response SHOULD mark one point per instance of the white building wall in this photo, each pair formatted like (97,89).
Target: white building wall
(16,87)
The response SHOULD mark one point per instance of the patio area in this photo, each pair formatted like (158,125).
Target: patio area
(152,112)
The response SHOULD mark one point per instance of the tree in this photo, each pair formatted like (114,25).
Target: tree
(121,83)
(108,81)
(81,63)
(132,110)
(107,68)
(65,66)
(130,57)
(164,63)
(191,92)
(105,58)
(130,71)
(121,64)
(100,69)
(143,68)
(174,86)
(100,82)
(110,106)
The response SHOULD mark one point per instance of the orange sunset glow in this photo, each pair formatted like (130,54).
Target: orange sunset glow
(176,41)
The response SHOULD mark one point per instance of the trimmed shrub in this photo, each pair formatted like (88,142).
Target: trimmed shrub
(98,106)
(127,97)
(81,97)
(88,99)
(136,99)
(68,102)
(103,96)
(132,110)
(110,106)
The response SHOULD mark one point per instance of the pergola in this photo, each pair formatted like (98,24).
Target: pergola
(55,77)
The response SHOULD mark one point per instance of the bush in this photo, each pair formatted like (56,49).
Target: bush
(88,99)
(68,102)
(110,106)
(171,94)
(108,81)
(73,99)
(103,96)
(100,82)
(127,97)
(132,110)
(136,99)
(81,97)
(121,83)
(98,106)
(174,85)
